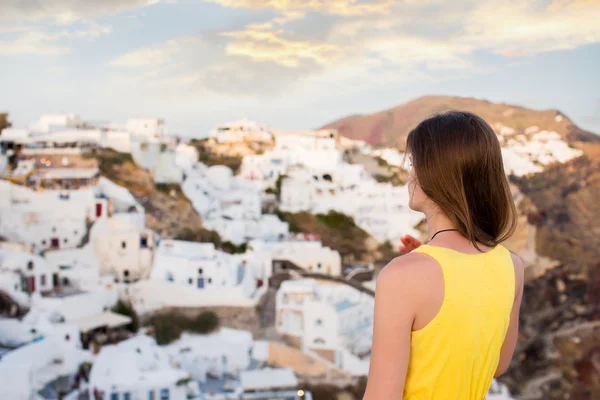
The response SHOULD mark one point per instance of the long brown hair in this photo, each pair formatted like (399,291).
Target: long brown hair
(458,164)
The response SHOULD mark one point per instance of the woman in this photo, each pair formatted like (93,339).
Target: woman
(446,313)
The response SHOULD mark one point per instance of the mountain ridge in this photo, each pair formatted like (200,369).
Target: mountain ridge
(390,127)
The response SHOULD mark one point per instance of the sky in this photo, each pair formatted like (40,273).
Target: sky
(292,64)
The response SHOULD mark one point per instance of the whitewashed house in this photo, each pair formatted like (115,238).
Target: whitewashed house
(37,275)
(191,274)
(117,203)
(53,122)
(230,205)
(159,156)
(148,127)
(137,368)
(201,266)
(53,354)
(331,320)
(78,268)
(123,250)
(225,352)
(299,251)
(277,383)
(241,131)
(45,220)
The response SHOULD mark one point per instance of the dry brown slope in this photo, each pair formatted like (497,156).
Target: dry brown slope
(168,211)
(390,127)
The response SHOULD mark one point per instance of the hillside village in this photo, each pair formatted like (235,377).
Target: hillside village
(202,284)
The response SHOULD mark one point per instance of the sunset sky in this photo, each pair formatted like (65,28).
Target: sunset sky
(292,63)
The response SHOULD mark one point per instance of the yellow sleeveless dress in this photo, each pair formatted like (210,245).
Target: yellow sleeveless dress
(455,356)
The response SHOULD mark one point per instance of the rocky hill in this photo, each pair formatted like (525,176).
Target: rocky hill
(554,169)
(390,127)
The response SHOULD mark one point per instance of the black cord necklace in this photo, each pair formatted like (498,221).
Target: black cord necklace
(443,230)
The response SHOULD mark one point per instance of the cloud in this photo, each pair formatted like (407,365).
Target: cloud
(300,7)
(47,27)
(65,11)
(238,63)
(47,40)
(260,45)
(330,41)
(32,43)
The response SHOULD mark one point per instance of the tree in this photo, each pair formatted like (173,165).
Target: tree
(4,123)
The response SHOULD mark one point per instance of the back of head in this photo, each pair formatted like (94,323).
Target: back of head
(458,165)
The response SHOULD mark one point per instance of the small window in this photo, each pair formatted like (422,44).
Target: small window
(151,395)
(319,322)
(126,273)
(53,229)
(190,281)
(200,270)
(319,341)
(67,337)
(43,280)
(123,244)
(43,242)
(114,396)
(65,240)
(126,396)
(75,232)
(164,394)
(30,265)
(319,265)
(209,280)
(65,281)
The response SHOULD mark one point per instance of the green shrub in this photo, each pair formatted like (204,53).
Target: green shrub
(232,248)
(338,221)
(205,322)
(125,308)
(169,327)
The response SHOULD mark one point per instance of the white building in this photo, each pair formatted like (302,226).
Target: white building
(381,209)
(301,251)
(317,179)
(272,383)
(159,155)
(48,352)
(78,268)
(123,250)
(137,368)
(225,352)
(149,127)
(201,266)
(230,205)
(50,219)
(228,366)
(53,122)
(315,151)
(334,321)
(36,274)
(241,131)
(57,219)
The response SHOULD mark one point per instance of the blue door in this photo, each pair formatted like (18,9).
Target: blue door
(200,283)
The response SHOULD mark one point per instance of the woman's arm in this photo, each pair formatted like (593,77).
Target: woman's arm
(510,341)
(396,297)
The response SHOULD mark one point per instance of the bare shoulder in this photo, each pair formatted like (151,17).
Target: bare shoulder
(519,275)
(410,272)
(519,267)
